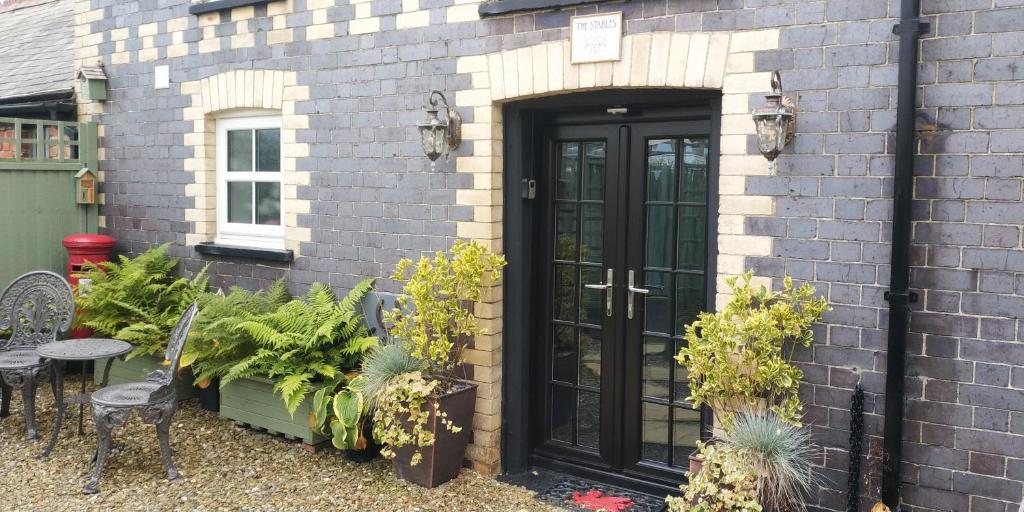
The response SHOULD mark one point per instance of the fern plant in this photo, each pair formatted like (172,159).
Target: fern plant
(305,341)
(138,300)
(215,344)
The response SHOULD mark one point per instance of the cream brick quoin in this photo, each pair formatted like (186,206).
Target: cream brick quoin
(265,91)
(664,60)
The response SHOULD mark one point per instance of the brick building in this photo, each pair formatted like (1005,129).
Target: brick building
(278,138)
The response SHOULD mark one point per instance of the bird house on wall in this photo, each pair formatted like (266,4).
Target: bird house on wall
(85,186)
(93,81)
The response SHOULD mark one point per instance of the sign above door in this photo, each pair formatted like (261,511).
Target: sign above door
(595,38)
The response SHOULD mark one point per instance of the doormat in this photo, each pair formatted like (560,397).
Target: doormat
(576,494)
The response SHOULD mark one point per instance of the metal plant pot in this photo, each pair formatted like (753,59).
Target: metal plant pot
(441,461)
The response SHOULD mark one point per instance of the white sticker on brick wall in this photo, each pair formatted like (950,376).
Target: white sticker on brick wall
(161,77)
(595,37)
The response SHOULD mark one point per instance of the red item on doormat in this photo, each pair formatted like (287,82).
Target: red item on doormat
(596,500)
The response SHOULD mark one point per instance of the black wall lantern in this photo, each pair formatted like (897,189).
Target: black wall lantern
(775,122)
(440,137)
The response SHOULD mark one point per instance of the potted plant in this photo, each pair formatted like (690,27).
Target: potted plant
(297,348)
(422,417)
(138,300)
(738,358)
(215,344)
(726,483)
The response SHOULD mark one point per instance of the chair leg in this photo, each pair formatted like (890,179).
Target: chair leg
(161,414)
(28,397)
(5,399)
(105,420)
(163,431)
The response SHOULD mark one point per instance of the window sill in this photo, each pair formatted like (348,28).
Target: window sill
(249,253)
(220,5)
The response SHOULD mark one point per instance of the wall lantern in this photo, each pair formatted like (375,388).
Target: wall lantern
(775,122)
(440,137)
(93,81)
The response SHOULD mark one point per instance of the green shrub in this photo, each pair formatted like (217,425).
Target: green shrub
(739,358)
(316,338)
(216,344)
(137,300)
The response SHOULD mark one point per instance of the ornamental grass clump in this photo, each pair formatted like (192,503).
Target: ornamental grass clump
(739,357)
(138,300)
(780,455)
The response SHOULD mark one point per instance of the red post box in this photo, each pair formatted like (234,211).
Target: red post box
(85,247)
(82,248)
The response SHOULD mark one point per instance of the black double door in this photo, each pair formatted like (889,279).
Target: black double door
(626,251)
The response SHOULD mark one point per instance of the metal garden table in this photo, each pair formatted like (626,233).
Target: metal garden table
(83,349)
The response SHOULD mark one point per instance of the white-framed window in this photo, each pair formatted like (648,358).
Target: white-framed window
(249,182)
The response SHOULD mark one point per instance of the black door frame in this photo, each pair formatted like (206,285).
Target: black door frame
(524,214)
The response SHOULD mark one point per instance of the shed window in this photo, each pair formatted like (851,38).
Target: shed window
(249,182)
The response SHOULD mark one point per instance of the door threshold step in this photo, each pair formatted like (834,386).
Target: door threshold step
(571,492)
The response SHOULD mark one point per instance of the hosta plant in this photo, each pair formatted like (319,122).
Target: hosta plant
(305,341)
(739,357)
(338,408)
(138,300)
(725,483)
(216,344)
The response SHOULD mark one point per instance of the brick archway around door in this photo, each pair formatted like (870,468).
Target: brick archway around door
(717,61)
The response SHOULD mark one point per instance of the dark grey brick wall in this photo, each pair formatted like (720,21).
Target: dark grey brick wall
(375,199)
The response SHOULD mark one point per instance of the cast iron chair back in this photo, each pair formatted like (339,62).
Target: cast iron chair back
(375,304)
(37,307)
(175,346)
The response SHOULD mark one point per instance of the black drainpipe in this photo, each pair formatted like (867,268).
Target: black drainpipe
(899,294)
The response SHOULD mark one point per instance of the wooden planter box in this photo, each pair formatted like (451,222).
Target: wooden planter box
(252,402)
(136,370)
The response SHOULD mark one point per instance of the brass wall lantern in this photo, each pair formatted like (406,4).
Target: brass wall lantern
(440,137)
(775,122)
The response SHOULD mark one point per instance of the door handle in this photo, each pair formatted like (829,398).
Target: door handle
(633,290)
(607,287)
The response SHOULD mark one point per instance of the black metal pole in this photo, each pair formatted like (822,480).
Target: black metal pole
(899,295)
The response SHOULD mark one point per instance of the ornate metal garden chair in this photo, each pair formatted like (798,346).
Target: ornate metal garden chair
(37,307)
(375,304)
(154,398)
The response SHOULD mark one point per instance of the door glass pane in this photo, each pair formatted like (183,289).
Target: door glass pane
(689,300)
(594,170)
(70,133)
(694,182)
(590,358)
(28,131)
(268,150)
(592,247)
(591,301)
(658,302)
(240,151)
(563,411)
(655,432)
(566,290)
(685,434)
(656,371)
(680,384)
(661,169)
(268,203)
(240,202)
(690,239)
(565,231)
(659,236)
(589,412)
(567,178)
(563,355)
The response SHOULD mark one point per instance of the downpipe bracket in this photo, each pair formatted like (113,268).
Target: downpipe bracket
(914,25)
(901,298)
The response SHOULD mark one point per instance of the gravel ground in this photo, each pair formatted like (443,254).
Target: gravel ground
(222,466)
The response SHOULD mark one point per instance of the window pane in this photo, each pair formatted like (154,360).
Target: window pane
(590,358)
(589,414)
(268,150)
(568,171)
(565,231)
(661,169)
(71,133)
(240,202)
(7,129)
(685,434)
(566,290)
(657,367)
(563,409)
(240,150)
(655,432)
(268,203)
(593,170)
(28,131)
(563,354)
